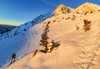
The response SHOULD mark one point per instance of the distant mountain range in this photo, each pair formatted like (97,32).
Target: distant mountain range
(9,27)
(6,28)
(3,30)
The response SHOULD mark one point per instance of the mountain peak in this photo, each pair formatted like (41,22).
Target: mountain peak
(84,8)
(87,8)
(61,9)
(87,3)
(61,5)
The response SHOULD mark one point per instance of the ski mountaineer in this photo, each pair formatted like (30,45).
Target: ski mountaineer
(13,58)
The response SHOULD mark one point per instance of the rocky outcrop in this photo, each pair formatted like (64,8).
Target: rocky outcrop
(61,9)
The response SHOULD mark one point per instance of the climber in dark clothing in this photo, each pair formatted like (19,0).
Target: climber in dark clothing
(13,58)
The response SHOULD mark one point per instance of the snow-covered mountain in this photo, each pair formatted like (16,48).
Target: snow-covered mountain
(25,26)
(22,40)
(78,35)
(79,48)
(61,9)
(87,8)
(84,8)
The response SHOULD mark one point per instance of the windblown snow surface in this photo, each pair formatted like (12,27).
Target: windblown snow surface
(22,40)
(78,49)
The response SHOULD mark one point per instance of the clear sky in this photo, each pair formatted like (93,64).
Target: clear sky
(16,12)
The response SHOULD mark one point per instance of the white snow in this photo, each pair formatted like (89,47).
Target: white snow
(87,8)
(22,40)
(78,49)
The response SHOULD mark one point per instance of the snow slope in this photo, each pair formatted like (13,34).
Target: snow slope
(22,40)
(78,50)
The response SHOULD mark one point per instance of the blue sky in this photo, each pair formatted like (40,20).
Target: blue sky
(16,12)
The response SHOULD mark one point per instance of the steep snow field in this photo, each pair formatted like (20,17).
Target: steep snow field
(78,49)
(22,40)
(22,44)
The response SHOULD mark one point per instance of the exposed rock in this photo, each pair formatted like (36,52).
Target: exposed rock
(61,9)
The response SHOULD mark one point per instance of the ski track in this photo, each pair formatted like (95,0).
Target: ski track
(57,57)
(88,56)
(94,55)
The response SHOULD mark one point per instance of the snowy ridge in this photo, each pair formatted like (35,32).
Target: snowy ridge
(84,8)
(25,26)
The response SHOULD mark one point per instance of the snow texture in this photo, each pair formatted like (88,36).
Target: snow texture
(22,40)
(79,49)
